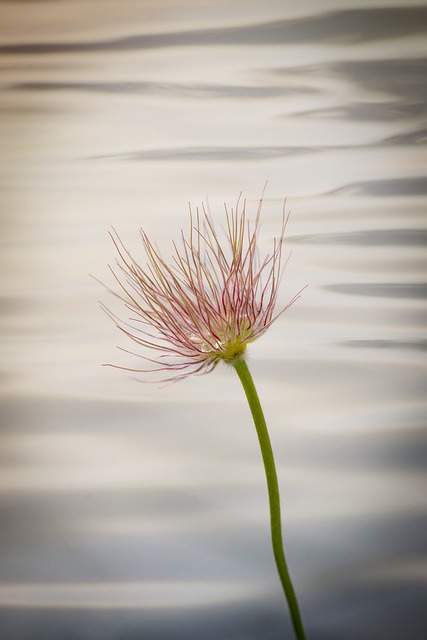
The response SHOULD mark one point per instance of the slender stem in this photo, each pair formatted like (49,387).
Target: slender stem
(273,493)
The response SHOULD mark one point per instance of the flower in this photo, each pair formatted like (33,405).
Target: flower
(213,299)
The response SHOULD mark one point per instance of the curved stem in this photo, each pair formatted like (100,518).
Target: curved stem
(273,492)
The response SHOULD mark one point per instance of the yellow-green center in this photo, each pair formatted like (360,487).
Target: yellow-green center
(232,350)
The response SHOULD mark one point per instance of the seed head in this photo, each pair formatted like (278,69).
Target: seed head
(214,297)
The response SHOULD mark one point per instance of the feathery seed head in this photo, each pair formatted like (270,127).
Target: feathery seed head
(215,297)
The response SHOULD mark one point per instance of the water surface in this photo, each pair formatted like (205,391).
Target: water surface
(137,511)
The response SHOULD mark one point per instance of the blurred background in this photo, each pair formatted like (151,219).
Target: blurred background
(133,510)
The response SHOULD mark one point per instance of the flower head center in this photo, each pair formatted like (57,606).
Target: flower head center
(233,350)
(227,343)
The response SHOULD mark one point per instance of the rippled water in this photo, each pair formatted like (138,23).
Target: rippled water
(132,511)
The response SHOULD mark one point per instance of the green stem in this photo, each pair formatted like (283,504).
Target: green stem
(273,492)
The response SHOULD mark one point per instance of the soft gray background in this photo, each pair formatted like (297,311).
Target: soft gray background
(136,511)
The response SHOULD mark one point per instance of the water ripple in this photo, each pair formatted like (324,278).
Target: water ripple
(413,345)
(197,90)
(354,26)
(382,290)
(210,153)
(366,238)
(388,187)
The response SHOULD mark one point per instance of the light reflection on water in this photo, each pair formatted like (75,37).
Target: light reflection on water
(135,511)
